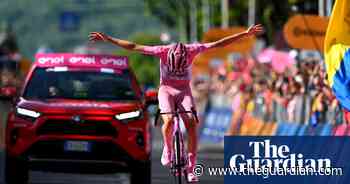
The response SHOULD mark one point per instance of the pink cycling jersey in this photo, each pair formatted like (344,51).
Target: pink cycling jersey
(174,87)
(168,77)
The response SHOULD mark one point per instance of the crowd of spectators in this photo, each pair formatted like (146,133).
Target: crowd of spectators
(299,94)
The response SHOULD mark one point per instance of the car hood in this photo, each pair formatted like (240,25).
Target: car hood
(79,106)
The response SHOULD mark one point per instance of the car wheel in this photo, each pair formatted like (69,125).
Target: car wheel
(16,171)
(141,173)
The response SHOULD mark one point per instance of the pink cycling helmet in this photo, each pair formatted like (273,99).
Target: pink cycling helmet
(177,58)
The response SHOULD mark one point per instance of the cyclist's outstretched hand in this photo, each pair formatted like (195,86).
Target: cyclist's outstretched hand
(255,30)
(98,36)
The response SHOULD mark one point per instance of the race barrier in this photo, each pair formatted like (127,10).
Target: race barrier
(268,129)
(341,130)
(251,126)
(217,122)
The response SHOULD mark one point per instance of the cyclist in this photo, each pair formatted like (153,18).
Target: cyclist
(175,75)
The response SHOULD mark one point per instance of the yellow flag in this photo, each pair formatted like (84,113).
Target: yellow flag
(338,30)
(337,52)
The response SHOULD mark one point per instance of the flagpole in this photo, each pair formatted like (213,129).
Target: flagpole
(321,5)
(329,7)
(224,14)
(193,19)
(251,12)
(206,15)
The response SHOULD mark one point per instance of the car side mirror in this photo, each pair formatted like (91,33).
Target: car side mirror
(15,100)
(151,97)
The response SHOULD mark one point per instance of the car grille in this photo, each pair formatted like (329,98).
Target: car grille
(99,151)
(66,127)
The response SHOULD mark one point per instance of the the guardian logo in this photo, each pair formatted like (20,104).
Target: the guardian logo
(267,155)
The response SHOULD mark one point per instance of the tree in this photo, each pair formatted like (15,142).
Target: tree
(173,13)
(272,14)
(37,22)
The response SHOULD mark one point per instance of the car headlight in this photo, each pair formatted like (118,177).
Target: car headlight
(129,115)
(27,113)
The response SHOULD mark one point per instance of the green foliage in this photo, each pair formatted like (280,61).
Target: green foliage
(271,13)
(215,16)
(146,68)
(239,13)
(173,13)
(37,22)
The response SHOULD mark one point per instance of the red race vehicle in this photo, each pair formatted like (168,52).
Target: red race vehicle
(79,111)
(9,74)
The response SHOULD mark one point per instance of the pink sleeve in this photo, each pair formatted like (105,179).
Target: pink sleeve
(154,50)
(197,48)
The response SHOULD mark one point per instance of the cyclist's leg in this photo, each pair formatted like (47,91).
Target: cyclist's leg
(166,104)
(187,103)
(191,127)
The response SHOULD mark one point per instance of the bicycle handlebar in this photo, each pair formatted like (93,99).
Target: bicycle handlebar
(179,112)
(193,111)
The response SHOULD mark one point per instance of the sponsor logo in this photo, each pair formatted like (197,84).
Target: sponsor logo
(113,61)
(83,60)
(308,32)
(268,155)
(120,62)
(284,159)
(52,60)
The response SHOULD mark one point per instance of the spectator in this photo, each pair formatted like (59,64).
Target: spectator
(299,95)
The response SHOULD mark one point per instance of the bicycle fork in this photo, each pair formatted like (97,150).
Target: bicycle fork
(180,158)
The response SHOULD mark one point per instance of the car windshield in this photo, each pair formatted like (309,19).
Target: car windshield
(88,85)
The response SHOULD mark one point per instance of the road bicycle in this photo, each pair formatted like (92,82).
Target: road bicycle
(179,160)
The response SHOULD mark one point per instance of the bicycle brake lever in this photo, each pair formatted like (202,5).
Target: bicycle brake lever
(156,117)
(194,112)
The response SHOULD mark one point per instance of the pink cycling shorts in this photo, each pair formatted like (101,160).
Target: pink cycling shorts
(169,95)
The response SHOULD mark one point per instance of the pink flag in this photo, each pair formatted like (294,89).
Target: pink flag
(279,60)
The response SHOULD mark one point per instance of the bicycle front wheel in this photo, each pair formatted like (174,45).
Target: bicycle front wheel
(177,167)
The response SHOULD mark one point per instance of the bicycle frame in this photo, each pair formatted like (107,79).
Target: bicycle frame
(179,158)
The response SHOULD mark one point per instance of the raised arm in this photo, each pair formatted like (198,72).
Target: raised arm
(252,30)
(98,36)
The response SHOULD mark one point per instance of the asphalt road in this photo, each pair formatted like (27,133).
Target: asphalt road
(160,175)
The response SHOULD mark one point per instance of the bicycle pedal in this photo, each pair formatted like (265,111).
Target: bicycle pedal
(175,172)
(181,165)
(178,174)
